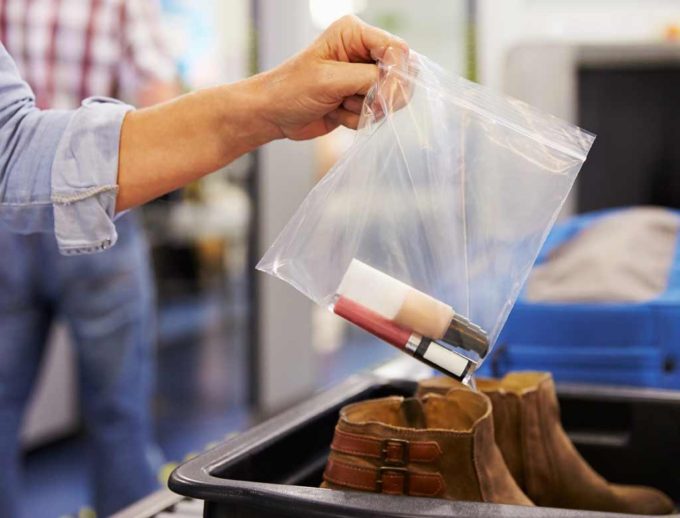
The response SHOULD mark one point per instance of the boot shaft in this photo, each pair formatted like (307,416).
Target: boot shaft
(438,447)
(441,385)
(506,416)
(525,411)
(540,455)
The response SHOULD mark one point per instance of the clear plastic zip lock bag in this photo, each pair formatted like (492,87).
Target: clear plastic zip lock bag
(425,230)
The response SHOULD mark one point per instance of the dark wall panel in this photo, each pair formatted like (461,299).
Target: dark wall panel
(635,113)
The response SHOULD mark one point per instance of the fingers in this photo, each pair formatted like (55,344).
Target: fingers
(351,39)
(354,103)
(378,41)
(341,116)
(352,81)
(349,79)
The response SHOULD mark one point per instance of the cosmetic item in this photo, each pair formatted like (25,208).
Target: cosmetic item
(424,349)
(410,308)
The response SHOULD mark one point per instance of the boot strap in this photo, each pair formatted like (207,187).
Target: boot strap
(389,451)
(391,480)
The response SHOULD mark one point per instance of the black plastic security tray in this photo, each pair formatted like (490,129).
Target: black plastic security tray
(274,469)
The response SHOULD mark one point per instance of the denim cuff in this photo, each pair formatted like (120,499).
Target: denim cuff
(85,177)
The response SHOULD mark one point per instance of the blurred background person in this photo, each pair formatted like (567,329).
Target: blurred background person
(68,50)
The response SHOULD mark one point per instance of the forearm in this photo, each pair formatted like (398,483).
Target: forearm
(169,145)
(78,169)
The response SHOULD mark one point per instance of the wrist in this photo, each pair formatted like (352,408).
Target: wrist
(247,114)
(265,102)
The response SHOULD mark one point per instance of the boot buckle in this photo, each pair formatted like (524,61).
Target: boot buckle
(385,451)
(379,485)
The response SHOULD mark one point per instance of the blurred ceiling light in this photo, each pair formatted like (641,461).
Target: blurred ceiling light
(325,12)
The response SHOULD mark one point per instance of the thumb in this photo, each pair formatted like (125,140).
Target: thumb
(353,78)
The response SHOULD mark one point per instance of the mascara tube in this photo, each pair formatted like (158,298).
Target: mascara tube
(422,348)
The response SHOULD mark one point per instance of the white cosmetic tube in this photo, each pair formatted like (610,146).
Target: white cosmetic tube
(395,300)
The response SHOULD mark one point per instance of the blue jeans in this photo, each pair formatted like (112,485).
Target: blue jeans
(107,300)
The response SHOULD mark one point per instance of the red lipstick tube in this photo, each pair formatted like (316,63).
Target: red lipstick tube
(427,351)
(372,322)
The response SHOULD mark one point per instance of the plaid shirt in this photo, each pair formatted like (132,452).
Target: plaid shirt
(68,50)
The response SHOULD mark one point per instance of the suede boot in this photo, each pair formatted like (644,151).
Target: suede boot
(540,455)
(440,446)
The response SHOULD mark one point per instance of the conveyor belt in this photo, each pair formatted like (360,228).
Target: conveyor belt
(163,504)
(183,509)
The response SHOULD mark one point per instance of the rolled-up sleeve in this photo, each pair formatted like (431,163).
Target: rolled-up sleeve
(58,169)
(84,177)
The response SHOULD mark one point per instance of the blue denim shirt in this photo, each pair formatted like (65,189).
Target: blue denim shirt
(58,169)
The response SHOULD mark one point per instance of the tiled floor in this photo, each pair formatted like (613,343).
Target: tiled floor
(201,380)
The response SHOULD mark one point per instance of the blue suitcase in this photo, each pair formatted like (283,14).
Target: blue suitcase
(613,343)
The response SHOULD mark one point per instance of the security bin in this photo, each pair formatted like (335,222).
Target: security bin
(629,435)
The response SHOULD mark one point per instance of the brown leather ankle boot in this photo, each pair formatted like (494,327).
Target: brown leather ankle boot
(540,455)
(435,447)
(441,385)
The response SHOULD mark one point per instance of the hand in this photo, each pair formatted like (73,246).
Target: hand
(323,86)
(169,145)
